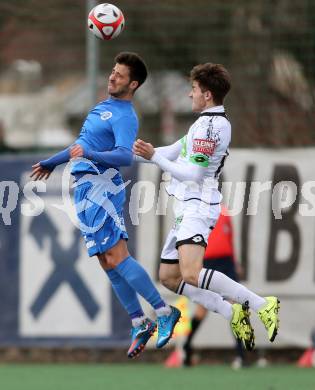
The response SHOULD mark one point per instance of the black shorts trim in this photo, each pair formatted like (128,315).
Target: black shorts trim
(169,261)
(197,239)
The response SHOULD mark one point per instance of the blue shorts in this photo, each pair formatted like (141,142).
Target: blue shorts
(101,218)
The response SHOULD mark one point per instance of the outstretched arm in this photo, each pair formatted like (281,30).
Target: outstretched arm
(171,152)
(147,151)
(115,158)
(43,169)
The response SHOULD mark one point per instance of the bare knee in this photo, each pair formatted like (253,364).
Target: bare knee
(170,283)
(102,258)
(113,256)
(191,258)
(190,276)
(168,277)
(109,261)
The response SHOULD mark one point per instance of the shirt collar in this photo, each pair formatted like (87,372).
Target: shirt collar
(214,109)
(122,101)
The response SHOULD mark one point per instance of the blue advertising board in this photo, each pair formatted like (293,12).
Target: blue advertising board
(51,292)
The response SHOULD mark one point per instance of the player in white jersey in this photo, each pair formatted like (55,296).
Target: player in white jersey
(195,163)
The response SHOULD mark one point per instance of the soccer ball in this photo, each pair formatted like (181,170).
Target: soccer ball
(106,21)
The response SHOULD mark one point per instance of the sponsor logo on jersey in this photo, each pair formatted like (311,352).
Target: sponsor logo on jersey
(209,129)
(106,115)
(204,146)
(200,159)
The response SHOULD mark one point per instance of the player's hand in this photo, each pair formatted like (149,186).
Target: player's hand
(39,173)
(76,151)
(143,149)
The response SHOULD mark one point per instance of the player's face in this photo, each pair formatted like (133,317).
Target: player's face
(199,102)
(119,82)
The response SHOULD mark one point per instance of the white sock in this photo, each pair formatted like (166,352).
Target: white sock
(138,321)
(163,311)
(226,287)
(208,299)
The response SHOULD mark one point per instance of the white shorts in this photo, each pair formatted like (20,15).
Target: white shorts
(194,221)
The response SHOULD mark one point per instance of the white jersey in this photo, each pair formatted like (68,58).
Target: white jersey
(206,144)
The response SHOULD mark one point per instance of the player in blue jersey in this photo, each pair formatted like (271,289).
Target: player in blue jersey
(103,146)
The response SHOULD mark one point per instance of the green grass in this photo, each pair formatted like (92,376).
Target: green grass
(138,376)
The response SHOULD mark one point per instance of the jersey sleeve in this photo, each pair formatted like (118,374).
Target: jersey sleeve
(125,130)
(194,173)
(171,152)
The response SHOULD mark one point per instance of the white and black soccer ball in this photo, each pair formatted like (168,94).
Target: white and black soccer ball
(106,21)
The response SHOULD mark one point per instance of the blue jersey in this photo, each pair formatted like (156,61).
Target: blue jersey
(110,124)
(99,195)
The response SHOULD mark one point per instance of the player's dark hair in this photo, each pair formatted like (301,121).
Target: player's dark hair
(214,78)
(137,67)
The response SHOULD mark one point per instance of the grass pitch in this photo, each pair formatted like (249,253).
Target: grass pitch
(139,376)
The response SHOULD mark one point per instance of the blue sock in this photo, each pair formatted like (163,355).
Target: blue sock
(126,295)
(140,281)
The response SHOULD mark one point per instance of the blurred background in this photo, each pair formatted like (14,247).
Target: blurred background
(52,71)
(267,46)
